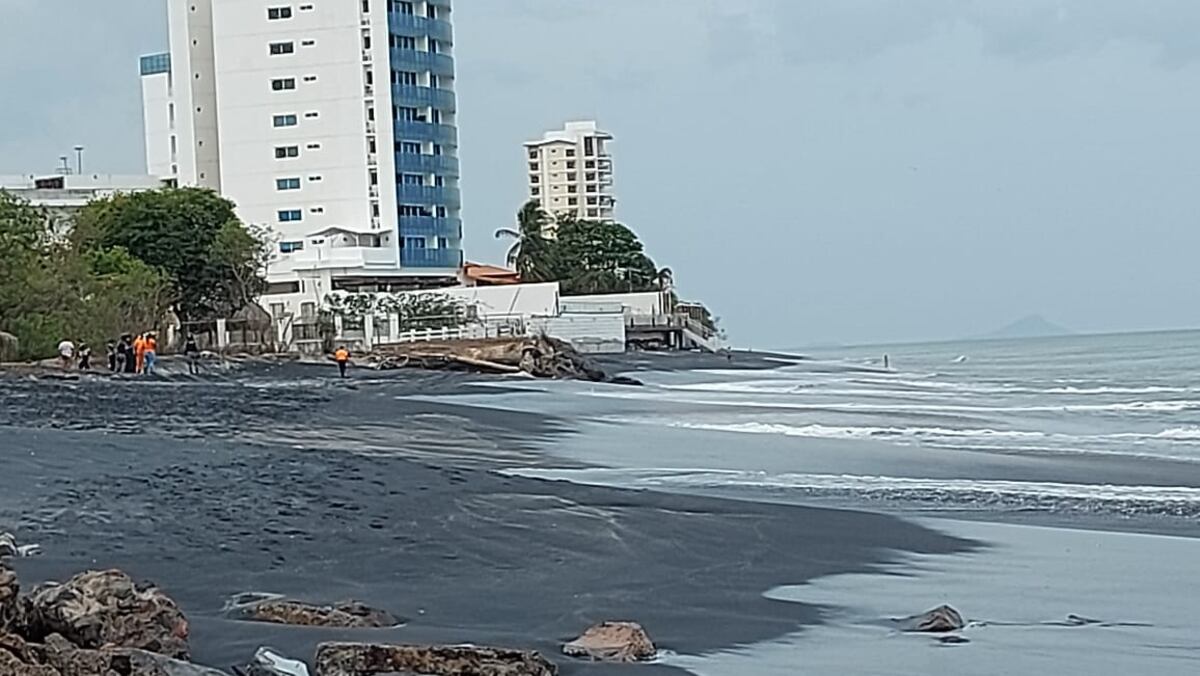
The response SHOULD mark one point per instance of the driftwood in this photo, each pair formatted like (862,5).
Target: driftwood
(539,356)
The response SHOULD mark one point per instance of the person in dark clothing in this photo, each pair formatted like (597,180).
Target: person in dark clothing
(110,351)
(85,357)
(192,352)
(130,356)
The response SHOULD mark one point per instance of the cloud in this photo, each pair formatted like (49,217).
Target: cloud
(848,30)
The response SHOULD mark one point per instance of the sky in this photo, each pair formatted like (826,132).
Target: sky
(834,171)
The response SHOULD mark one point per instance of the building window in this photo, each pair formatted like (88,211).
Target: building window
(434,46)
(410,148)
(441,212)
(533,166)
(310,78)
(533,154)
(414,242)
(283,84)
(412,179)
(590,164)
(535,191)
(317,210)
(277,13)
(312,115)
(287,184)
(404,77)
(593,213)
(290,247)
(313,146)
(591,201)
(283,152)
(315,178)
(306,8)
(406,42)
(572,188)
(405,8)
(284,121)
(281,48)
(571,164)
(590,177)
(435,81)
(572,201)
(589,146)
(570,152)
(290,215)
(307,43)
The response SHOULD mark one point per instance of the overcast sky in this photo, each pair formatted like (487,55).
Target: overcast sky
(816,171)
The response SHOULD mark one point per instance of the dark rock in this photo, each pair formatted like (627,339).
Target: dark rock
(18,659)
(345,614)
(10,602)
(613,642)
(366,659)
(107,610)
(70,660)
(937,621)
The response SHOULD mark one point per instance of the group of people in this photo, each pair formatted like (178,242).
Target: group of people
(133,354)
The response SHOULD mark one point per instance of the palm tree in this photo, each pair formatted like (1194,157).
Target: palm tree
(530,250)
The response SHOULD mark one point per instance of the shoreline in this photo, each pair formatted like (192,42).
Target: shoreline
(396,501)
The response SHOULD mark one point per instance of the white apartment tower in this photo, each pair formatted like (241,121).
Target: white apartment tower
(331,121)
(570,171)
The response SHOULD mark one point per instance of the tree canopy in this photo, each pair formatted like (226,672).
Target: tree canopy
(51,290)
(215,264)
(584,256)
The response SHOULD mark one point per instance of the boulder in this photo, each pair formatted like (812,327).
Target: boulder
(18,659)
(106,609)
(613,642)
(367,659)
(70,660)
(937,621)
(345,614)
(10,602)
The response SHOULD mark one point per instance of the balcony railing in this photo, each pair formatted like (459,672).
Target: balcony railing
(415,96)
(427,194)
(411,59)
(419,26)
(444,165)
(444,134)
(428,226)
(431,258)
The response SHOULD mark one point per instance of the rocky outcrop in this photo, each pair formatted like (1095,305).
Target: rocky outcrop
(18,659)
(345,614)
(539,356)
(937,621)
(70,660)
(10,601)
(613,642)
(102,609)
(366,659)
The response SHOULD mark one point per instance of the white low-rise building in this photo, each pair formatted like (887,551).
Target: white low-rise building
(62,195)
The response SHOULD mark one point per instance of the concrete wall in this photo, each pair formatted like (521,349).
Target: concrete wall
(601,333)
(647,303)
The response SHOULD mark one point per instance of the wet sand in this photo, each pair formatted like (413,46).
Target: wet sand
(281,480)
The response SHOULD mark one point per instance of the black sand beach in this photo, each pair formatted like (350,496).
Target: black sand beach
(280,480)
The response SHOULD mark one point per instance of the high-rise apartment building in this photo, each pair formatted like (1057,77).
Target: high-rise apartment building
(331,121)
(570,171)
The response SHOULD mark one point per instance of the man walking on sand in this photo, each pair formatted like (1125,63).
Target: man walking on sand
(192,352)
(66,353)
(150,353)
(342,357)
(139,352)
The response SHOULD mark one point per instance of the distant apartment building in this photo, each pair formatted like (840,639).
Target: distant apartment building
(64,194)
(331,121)
(570,171)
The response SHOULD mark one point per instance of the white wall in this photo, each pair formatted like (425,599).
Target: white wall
(245,69)
(156,104)
(589,333)
(645,303)
(527,300)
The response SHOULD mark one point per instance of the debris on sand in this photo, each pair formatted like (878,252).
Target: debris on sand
(366,659)
(613,642)
(345,614)
(10,548)
(11,615)
(937,621)
(538,356)
(106,608)
(268,662)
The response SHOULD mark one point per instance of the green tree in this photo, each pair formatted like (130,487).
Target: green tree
(602,257)
(214,263)
(532,251)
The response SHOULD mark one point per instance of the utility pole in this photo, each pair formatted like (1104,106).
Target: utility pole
(79,159)
(66,165)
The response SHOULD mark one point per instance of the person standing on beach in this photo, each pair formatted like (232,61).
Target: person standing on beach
(192,352)
(130,364)
(85,357)
(110,351)
(66,353)
(149,353)
(342,357)
(139,352)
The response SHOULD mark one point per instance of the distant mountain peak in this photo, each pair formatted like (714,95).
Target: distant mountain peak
(1032,326)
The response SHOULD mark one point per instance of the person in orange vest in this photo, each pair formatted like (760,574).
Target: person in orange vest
(342,357)
(139,351)
(150,353)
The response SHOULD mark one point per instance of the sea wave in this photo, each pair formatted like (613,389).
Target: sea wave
(850,432)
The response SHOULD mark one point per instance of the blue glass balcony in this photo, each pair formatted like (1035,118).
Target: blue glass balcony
(419,26)
(411,59)
(413,96)
(431,258)
(428,226)
(444,134)
(427,194)
(439,3)
(154,64)
(412,163)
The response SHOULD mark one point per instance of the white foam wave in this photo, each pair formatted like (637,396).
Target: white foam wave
(836,432)
(867,484)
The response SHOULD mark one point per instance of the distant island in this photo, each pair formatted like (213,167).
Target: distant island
(1033,326)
